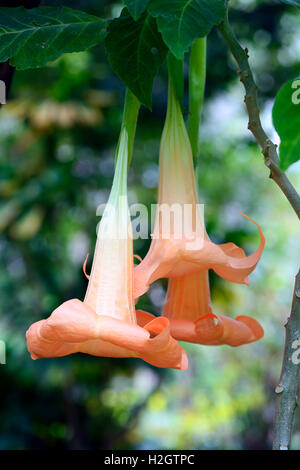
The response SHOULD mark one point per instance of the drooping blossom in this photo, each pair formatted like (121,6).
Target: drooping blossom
(105,323)
(182,251)
(186,247)
(188,307)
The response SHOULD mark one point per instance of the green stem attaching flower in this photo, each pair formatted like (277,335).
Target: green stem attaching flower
(129,121)
(125,146)
(197,78)
(175,69)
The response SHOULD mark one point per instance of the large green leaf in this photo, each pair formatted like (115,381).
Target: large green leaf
(31,38)
(135,51)
(182,21)
(292,2)
(286,119)
(136,7)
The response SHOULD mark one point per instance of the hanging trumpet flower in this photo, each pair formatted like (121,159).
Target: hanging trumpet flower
(184,253)
(105,323)
(188,308)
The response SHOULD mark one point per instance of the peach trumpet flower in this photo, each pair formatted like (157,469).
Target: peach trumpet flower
(180,245)
(188,308)
(105,323)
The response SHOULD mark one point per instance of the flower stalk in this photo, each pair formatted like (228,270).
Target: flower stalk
(197,78)
(129,121)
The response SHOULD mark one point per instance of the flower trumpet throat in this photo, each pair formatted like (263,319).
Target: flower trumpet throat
(105,323)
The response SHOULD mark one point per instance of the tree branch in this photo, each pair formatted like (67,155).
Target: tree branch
(197,78)
(269,149)
(287,389)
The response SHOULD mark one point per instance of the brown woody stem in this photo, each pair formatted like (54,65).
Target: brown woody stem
(287,389)
(269,149)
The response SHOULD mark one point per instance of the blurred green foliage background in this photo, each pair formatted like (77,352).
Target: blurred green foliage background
(57,139)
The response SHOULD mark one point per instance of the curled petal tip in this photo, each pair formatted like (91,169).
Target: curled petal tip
(238,268)
(247,217)
(206,316)
(257,225)
(84,267)
(158,324)
(138,257)
(253,325)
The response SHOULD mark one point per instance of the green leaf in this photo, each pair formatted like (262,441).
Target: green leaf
(135,51)
(136,7)
(292,2)
(286,120)
(182,21)
(31,38)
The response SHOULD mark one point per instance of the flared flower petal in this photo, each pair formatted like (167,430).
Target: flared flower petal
(171,258)
(188,308)
(213,330)
(75,327)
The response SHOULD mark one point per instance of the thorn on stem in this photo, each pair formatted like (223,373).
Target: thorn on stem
(252,125)
(286,322)
(279,388)
(266,153)
(267,158)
